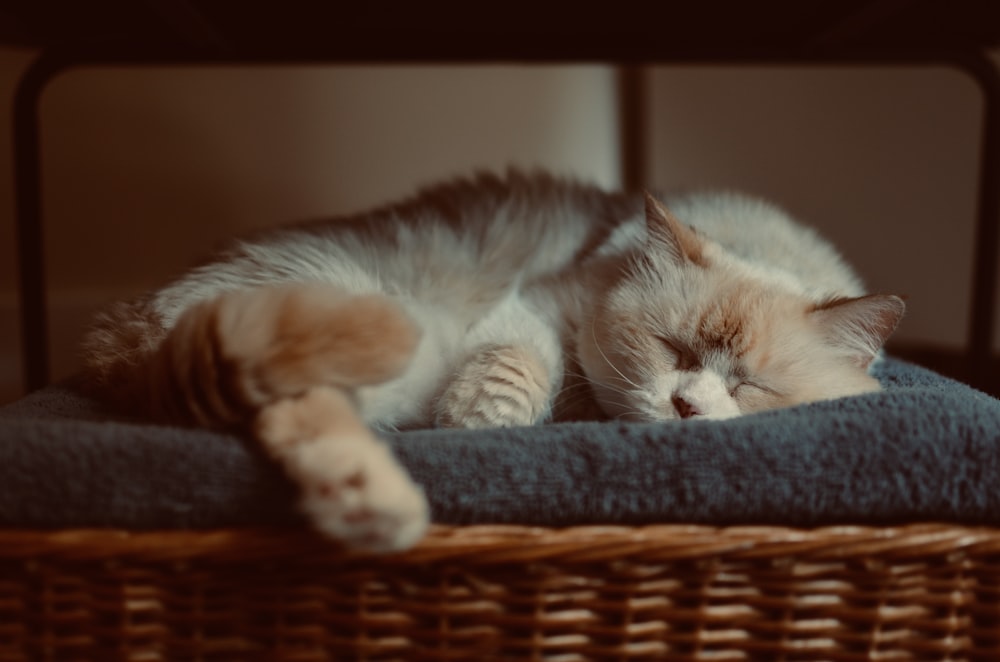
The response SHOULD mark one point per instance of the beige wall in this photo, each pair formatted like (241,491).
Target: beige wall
(146,170)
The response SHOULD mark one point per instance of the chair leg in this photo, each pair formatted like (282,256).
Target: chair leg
(28,218)
(987,232)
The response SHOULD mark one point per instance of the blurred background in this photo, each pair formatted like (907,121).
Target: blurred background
(146,170)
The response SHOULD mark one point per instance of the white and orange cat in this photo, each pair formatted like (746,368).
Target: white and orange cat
(496,301)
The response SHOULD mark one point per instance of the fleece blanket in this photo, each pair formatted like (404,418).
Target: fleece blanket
(927,448)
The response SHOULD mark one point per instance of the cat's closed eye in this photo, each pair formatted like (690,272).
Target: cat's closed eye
(684,358)
(748,387)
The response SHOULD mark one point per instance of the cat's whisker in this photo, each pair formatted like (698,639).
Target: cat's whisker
(593,334)
(588,382)
(623,413)
(574,387)
(573,393)
(585,380)
(614,381)
(571,403)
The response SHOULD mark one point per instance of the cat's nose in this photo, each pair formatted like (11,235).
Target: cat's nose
(684,408)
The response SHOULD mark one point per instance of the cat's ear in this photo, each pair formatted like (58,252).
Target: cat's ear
(667,233)
(859,326)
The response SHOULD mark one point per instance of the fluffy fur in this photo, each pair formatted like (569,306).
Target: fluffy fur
(489,302)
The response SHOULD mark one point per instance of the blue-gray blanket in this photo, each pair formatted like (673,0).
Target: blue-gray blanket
(927,448)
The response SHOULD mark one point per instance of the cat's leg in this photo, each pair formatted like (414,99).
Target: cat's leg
(286,361)
(510,373)
(227,357)
(352,488)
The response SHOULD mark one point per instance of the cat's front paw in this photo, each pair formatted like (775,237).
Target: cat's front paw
(501,386)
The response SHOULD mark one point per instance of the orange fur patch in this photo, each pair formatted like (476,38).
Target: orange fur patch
(356,341)
(229,356)
(728,324)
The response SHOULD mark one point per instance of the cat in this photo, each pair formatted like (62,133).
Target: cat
(495,300)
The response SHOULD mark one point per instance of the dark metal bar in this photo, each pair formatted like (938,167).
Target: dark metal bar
(356,51)
(28,221)
(633,127)
(986,243)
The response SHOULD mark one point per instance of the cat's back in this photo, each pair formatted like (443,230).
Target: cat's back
(498,229)
(764,235)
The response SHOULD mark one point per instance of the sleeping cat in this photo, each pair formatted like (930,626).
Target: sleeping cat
(494,301)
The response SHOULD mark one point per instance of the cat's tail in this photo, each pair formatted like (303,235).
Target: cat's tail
(117,350)
(227,357)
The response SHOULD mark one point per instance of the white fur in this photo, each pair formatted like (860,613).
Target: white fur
(765,238)
(512,275)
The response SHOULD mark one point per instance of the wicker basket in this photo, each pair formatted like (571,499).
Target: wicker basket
(924,592)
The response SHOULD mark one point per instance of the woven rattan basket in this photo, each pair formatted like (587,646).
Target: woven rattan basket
(922,592)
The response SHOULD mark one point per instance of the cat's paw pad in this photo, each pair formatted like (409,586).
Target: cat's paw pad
(500,387)
(356,492)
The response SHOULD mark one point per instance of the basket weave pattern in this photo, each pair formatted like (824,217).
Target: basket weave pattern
(921,592)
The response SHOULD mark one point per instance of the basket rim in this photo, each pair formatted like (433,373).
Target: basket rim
(492,544)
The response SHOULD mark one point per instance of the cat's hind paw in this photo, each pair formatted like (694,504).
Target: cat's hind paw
(357,493)
(352,488)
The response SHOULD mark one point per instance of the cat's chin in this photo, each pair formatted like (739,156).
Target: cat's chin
(645,412)
(644,417)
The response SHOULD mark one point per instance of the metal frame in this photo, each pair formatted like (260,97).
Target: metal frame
(632,99)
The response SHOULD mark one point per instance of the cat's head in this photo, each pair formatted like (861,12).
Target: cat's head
(689,330)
